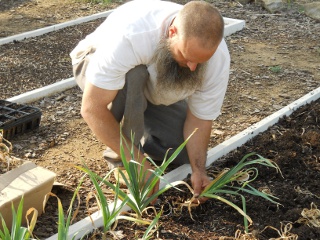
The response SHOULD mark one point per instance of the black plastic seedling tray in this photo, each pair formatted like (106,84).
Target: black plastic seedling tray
(16,119)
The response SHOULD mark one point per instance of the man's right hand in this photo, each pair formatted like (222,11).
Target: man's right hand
(199,181)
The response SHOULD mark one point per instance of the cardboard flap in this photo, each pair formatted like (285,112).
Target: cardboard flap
(8,177)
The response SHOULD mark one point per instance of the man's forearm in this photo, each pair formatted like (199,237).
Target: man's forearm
(101,121)
(107,130)
(104,126)
(197,146)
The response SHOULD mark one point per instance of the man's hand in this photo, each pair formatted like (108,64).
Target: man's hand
(199,181)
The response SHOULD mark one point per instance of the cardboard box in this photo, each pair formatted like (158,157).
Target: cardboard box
(28,180)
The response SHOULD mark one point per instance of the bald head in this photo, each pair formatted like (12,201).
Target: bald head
(201,20)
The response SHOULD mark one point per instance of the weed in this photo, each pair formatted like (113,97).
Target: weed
(275,69)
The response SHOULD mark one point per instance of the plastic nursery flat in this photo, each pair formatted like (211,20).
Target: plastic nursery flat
(17,118)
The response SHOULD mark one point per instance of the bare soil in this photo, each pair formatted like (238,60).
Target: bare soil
(275,60)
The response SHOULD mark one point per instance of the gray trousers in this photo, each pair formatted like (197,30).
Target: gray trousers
(156,128)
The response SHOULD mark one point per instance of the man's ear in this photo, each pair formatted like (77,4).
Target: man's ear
(173,31)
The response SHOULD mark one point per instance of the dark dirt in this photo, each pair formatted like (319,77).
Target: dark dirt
(287,41)
(293,144)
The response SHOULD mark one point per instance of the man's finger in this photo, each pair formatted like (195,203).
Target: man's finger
(197,190)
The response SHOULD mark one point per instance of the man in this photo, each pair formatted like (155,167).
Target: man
(161,69)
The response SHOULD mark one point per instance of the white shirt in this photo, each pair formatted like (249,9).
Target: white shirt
(129,37)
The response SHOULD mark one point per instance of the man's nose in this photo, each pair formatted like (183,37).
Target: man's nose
(192,66)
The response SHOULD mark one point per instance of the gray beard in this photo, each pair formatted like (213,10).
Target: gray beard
(171,76)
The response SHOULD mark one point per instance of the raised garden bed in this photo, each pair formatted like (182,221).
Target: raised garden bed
(293,143)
